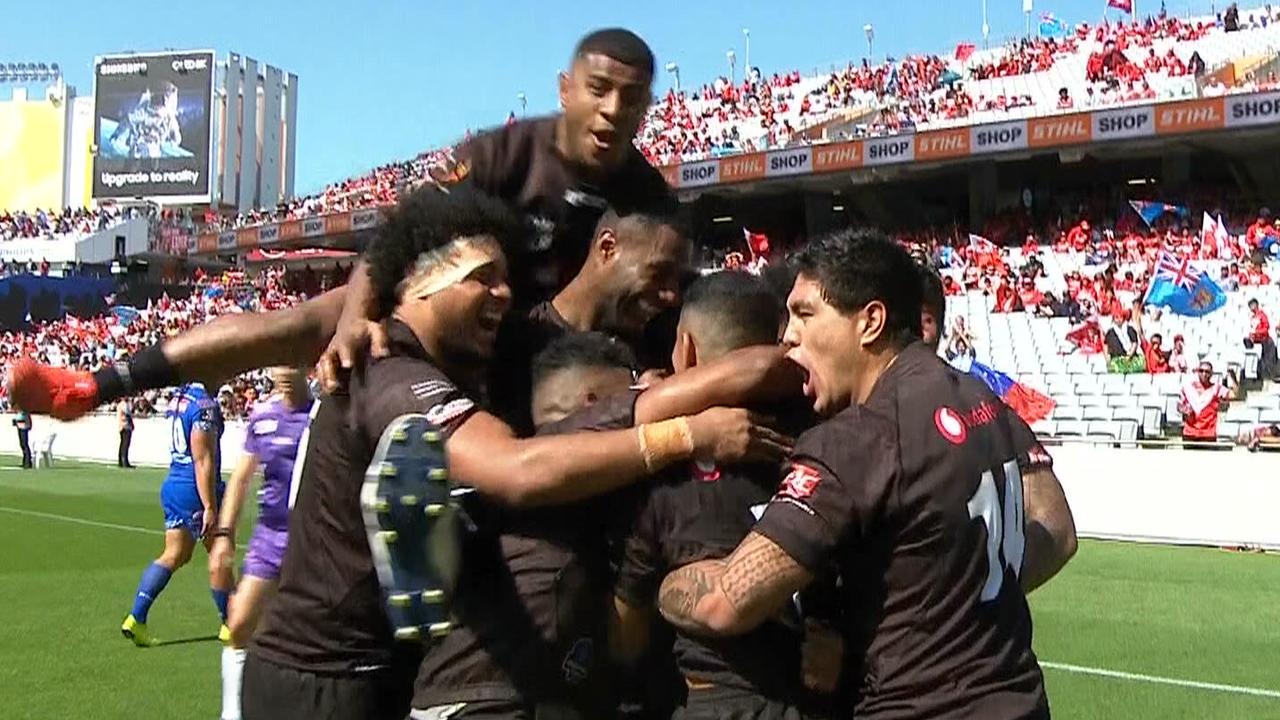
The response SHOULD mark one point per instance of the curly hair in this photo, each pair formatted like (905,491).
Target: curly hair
(426,220)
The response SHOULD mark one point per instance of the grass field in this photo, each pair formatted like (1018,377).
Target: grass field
(1186,615)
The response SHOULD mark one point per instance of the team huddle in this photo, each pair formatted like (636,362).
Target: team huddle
(555,473)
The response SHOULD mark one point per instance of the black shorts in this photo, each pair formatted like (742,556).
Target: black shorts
(274,692)
(731,704)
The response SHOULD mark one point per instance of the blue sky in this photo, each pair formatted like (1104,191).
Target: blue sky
(384,79)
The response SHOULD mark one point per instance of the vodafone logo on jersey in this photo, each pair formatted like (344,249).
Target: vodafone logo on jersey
(951,425)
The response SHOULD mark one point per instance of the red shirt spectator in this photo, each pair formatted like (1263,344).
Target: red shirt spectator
(1259,325)
(1199,403)
(1157,357)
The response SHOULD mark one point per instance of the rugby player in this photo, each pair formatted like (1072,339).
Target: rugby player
(190,497)
(325,645)
(632,272)
(272,435)
(937,502)
(704,512)
(561,171)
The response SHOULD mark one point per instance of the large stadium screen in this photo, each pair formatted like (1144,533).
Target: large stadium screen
(152,125)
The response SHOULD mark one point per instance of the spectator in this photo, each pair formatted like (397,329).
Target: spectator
(1200,402)
(1178,356)
(1124,347)
(1260,334)
(1064,99)
(1157,358)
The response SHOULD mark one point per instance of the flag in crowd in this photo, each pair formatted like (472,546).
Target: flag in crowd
(1151,210)
(1183,288)
(1030,404)
(1051,25)
(1121,5)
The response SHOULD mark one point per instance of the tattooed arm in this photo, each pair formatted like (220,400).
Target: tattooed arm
(734,595)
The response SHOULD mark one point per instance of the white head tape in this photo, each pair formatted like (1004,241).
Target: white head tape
(449,265)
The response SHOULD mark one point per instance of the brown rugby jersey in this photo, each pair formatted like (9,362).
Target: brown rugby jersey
(697,513)
(521,164)
(522,336)
(327,616)
(530,605)
(917,494)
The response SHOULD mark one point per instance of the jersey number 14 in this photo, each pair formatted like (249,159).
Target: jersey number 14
(1005,532)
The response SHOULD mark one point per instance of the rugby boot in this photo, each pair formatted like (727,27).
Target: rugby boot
(412,519)
(57,392)
(136,632)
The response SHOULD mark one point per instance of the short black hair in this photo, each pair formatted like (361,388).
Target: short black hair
(780,277)
(856,266)
(650,215)
(430,218)
(932,297)
(581,350)
(740,310)
(620,44)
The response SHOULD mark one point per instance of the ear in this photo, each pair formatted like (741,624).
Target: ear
(685,353)
(607,244)
(874,318)
(564,85)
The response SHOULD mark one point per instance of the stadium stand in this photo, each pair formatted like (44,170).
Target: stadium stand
(1038,312)
(917,92)
(89,343)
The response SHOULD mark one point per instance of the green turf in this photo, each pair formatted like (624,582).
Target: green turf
(1187,613)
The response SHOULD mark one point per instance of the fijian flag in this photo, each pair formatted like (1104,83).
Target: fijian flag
(1183,288)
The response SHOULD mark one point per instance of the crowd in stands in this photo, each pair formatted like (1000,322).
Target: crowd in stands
(22,225)
(763,111)
(90,343)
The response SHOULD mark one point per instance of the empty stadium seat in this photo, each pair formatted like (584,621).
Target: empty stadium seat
(1096,413)
(1075,428)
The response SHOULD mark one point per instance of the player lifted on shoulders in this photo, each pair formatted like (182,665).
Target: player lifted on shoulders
(190,497)
(272,437)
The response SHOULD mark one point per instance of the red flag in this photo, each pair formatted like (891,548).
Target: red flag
(964,50)
(1122,5)
(758,243)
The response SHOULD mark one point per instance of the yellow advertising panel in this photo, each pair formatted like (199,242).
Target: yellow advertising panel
(31,135)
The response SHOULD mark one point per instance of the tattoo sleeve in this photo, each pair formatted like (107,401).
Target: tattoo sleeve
(722,597)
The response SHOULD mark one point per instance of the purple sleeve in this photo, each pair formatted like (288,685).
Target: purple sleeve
(252,443)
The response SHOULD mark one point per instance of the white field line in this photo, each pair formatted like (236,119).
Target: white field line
(1138,677)
(81,521)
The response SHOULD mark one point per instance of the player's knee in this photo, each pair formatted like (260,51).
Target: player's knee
(175,558)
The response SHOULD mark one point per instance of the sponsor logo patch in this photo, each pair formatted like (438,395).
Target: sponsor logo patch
(801,482)
(951,425)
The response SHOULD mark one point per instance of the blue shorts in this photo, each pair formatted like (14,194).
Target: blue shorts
(182,507)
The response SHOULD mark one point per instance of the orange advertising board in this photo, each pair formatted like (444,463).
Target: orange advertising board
(941,144)
(1190,116)
(741,168)
(841,156)
(339,223)
(1060,130)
